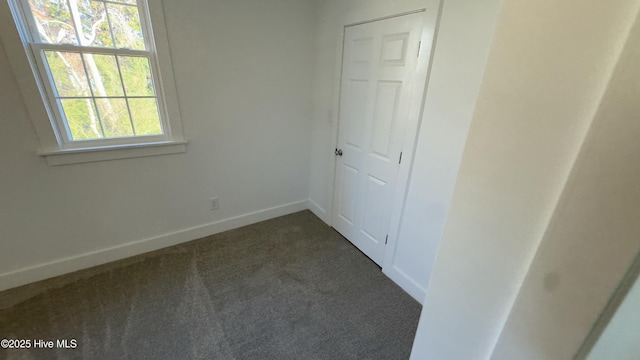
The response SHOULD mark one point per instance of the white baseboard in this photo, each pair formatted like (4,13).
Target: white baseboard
(67,265)
(406,283)
(87,260)
(396,275)
(318,211)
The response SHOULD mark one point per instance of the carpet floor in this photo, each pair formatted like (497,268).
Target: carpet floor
(286,288)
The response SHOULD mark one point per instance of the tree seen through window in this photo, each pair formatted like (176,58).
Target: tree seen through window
(98,61)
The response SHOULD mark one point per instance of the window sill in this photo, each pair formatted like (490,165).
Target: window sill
(85,155)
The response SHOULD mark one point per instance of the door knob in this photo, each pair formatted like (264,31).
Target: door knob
(338,152)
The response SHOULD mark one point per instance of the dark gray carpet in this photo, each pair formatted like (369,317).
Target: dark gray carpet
(287,288)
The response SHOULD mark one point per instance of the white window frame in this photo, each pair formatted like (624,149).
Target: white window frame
(39,96)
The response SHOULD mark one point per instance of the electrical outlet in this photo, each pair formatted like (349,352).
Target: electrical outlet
(213,203)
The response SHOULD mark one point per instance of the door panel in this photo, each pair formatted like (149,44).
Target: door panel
(384,116)
(379,64)
(372,223)
(356,97)
(349,192)
(394,49)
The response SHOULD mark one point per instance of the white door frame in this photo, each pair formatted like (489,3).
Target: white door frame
(425,58)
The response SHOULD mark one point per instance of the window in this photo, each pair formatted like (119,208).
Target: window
(96,67)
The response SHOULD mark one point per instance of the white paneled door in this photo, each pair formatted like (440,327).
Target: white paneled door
(378,89)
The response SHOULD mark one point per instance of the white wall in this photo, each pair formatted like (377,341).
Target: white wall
(548,68)
(594,234)
(620,338)
(244,72)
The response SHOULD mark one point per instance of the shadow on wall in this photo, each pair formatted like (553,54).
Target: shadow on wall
(593,235)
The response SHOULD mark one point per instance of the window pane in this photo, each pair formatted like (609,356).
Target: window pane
(68,73)
(125,23)
(82,119)
(136,75)
(53,21)
(94,24)
(115,117)
(103,75)
(145,116)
